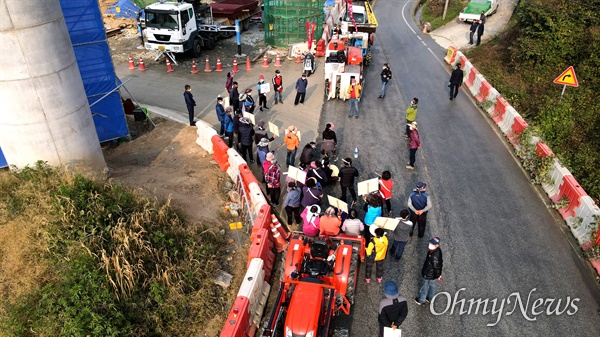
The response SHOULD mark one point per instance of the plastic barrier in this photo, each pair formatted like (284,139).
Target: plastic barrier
(471,75)
(542,150)
(583,223)
(257,198)
(484,91)
(235,160)
(247,176)
(557,172)
(321,47)
(571,190)
(262,221)
(519,125)
(262,248)
(499,110)
(220,152)
(256,290)
(457,59)
(450,55)
(238,320)
(476,84)
(507,122)
(463,62)
(205,133)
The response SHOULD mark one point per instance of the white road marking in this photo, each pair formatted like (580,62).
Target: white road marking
(404,18)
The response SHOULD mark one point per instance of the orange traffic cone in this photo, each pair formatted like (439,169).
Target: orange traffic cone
(298,57)
(280,243)
(169,67)
(248,66)
(265,63)
(131,64)
(142,65)
(279,227)
(219,65)
(277,61)
(194,68)
(235,65)
(207,68)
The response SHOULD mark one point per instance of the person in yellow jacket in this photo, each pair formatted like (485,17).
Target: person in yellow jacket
(354,92)
(376,251)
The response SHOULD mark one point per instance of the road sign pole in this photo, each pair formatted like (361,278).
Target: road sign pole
(563,91)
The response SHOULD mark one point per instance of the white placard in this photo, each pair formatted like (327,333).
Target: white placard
(274,129)
(386,223)
(368,186)
(249,116)
(265,88)
(297,174)
(389,332)
(337,203)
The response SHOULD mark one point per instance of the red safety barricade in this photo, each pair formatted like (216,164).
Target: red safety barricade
(247,176)
(542,150)
(262,221)
(499,110)
(238,320)
(471,77)
(518,127)
(320,51)
(484,91)
(571,190)
(220,152)
(463,61)
(262,248)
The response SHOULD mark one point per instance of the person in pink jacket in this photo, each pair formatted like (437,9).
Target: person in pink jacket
(311,223)
(414,144)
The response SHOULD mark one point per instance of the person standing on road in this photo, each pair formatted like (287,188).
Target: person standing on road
(354,92)
(272,178)
(220,115)
(482,17)
(248,103)
(414,144)
(386,185)
(480,32)
(411,115)
(432,270)
(234,97)
(375,253)
(246,138)
(329,142)
(393,309)
(292,143)
(291,204)
(386,75)
(259,134)
(190,103)
(473,30)
(347,175)
(455,81)
(229,82)
(236,125)
(373,210)
(419,204)
(262,96)
(228,122)
(301,85)
(278,86)
(309,154)
(401,234)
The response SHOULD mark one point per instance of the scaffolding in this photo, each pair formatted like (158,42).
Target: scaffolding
(285,20)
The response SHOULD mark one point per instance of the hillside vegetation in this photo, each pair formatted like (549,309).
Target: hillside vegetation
(543,39)
(90,258)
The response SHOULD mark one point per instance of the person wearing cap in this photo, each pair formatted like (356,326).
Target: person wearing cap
(347,175)
(455,81)
(249,101)
(411,115)
(259,134)
(375,253)
(386,75)
(246,138)
(354,92)
(316,171)
(301,85)
(386,185)
(309,154)
(353,225)
(291,204)
(419,204)
(234,97)
(401,234)
(473,30)
(311,222)
(228,125)
(190,103)
(329,141)
(330,222)
(262,94)
(480,30)
(393,308)
(277,86)
(220,115)
(432,271)
(291,143)
(414,144)
(262,148)
(272,177)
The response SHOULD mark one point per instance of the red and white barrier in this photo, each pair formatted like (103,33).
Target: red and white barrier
(476,83)
(235,160)
(497,113)
(584,222)
(238,320)
(220,152)
(257,198)
(507,121)
(262,248)
(261,221)
(256,290)
(519,125)
(557,172)
(205,133)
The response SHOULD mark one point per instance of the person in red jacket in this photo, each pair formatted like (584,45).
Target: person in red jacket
(273,177)
(278,86)
(414,144)
(386,184)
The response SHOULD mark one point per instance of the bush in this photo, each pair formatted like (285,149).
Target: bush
(434,9)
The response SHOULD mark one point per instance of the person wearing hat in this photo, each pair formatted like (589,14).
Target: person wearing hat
(411,115)
(419,204)
(301,85)
(291,204)
(262,149)
(330,222)
(190,103)
(393,308)
(277,86)
(246,138)
(386,75)
(291,143)
(261,134)
(234,97)
(347,175)
(354,92)
(455,81)
(228,124)
(220,115)
(375,253)
(273,177)
(414,144)
(249,101)
(329,141)
(262,94)
(266,165)
(309,154)
(311,221)
(432,271)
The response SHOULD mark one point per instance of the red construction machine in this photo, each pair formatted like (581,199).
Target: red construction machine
(318,282)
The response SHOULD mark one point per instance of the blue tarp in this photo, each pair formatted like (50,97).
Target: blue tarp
(126,9)
(3,162)
(86,30)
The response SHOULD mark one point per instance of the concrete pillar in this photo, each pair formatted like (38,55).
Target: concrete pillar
(44,112)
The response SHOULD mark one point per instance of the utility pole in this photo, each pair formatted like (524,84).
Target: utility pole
(445,9)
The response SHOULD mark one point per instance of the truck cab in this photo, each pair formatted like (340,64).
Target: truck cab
(171,27)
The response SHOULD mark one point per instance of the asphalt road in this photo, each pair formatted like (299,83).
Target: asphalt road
(497,234)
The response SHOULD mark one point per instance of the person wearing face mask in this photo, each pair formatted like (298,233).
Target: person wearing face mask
(354,92)
(386,75)
(432,271)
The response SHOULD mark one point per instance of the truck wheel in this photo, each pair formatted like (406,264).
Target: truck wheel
(245,24)
(197,48)
(368,58)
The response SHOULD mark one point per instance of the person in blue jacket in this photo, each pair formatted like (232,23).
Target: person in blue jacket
(228,125)
(220,115)
(301,85)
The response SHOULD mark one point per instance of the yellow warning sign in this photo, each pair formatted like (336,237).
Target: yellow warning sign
(567,78)
(235,225)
